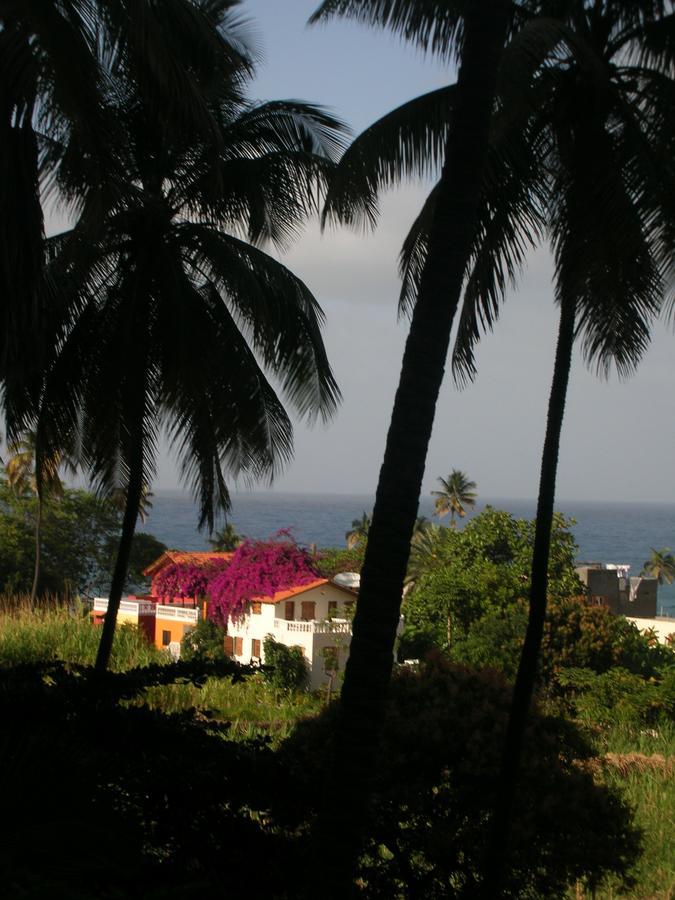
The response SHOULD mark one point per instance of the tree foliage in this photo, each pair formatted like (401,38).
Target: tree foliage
(78,540)
(461,576)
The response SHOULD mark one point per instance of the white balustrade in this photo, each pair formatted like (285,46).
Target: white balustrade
(314,626)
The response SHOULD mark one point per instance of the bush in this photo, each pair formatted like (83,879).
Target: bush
(435,786)
(330,561)
(619,698)
(285,667)
(205,641)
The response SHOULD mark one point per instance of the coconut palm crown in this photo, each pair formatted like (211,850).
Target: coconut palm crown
(456,494)
(660,565)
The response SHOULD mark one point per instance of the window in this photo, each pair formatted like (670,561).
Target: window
(229,645)
(289,610)
(238,646)
(332,608)
(308,608)
(349,606)
(256,607)
(166,638)
(255,648)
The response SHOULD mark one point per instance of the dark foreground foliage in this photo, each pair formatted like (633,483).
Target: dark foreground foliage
(105,798)
(435,787)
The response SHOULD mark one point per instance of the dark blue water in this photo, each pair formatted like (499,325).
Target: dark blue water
(604,532)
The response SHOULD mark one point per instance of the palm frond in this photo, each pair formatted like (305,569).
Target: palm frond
(407,143)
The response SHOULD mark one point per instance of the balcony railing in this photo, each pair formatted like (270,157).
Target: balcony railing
(137,607)
(335,626)
(179,613)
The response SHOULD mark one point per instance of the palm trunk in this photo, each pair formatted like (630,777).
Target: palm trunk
(368,671)
(527,669)
(38,541)
(132,506)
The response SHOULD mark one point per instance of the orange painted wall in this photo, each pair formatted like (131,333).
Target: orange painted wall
(177,629)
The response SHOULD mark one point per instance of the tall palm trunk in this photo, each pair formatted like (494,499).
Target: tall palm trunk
(374,630)
(38,542)
(131,509)
(527,669)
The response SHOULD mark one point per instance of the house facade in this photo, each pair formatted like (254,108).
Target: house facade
(315,617)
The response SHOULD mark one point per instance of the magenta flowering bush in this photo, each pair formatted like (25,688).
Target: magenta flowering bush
(188,579)
(258,569)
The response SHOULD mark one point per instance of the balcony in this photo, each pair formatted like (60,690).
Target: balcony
(314,626)
(177,613)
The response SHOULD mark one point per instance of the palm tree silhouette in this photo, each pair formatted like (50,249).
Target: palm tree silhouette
(57,137)
(603,106)
(406,144)
(456,493)
(177,311)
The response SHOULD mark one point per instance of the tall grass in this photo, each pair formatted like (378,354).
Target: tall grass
(51,630)
(252,707)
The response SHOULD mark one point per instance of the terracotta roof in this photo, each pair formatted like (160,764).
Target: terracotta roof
(197,558)
(300,589)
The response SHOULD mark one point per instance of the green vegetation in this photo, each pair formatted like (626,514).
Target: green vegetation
(446,719)
(288,668)
(78,543)
(31,635)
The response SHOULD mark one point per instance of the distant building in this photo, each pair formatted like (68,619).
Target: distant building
(611,586)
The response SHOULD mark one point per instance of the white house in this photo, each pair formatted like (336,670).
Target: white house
(314,617)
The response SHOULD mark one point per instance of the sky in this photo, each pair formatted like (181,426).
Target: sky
(618,438)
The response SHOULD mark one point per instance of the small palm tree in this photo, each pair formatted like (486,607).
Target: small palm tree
(225,540)
(118,497)
(457,492)
(358,533)
(660,565)
(22,474)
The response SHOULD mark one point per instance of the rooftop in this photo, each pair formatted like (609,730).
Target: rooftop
(188,557)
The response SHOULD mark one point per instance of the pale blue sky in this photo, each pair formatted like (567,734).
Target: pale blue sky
(619,438)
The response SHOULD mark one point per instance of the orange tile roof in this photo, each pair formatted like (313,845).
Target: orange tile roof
(184,556)
(300,589)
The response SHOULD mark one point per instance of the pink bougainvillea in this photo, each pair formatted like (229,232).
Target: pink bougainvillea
(188,579)
(258,569)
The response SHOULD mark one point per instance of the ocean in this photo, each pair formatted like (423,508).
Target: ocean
(604,532)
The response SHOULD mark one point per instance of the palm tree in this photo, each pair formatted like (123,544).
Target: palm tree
(610,221)
(456,493)
(358,533)
(460,153)
(22,475)
(176,309)
(660,565)
(56,136)
(118,498)
(226,539)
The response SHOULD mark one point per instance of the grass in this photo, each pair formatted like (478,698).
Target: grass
(642,765)
(51,630)
(253,708)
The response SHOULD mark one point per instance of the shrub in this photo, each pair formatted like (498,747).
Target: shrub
(435,786)
(206,641)
(285,667)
